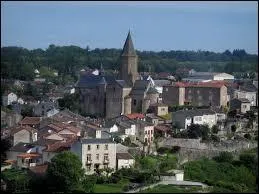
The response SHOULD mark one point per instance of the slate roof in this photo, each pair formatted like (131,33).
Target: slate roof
(140,87)
(152,90)
(243,100)
(125,156)
(128,48)
(96,140)
(22,147)
(194,112)
(161,83)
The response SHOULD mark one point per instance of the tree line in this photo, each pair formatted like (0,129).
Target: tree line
(19,63)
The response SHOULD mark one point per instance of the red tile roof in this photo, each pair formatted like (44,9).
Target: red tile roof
(60,145)
(30,121)
(214,84)
(136,116)
(19,128)
(163,128)
(40,169)
(28,155)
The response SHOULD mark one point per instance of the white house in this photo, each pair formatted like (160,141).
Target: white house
(9,98)
(20,101)
(124,160)
(184,118)
(96,154)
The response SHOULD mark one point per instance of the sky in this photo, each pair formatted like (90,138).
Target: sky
(155,26)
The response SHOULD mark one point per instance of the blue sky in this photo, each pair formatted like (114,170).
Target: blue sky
(156,26)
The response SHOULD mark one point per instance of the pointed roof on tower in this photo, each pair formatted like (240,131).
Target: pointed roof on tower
(128,49)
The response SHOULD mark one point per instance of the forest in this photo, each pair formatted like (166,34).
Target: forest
(20,63)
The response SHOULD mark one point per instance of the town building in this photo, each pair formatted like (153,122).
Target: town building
(207,76)
(108,96)
(241,105)
(124,160)
(183,118)
(8,98)
(96,154)
(196,94)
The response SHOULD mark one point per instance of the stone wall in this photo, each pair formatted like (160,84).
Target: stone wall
(193,149)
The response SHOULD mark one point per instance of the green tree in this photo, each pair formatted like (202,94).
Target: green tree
(224,157)
(65,172)
(215,129)
(5,145)
(233,128)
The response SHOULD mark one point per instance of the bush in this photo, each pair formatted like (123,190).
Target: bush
(175,149)
(163,150)
(247,136)
(224,157)
(233,128)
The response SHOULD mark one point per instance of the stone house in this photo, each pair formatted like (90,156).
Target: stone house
(24,134)
(145,131)
(250,94)
(45,109)
(124,160)
(160,109)
(96,154)
(242,105)
(197,94)
(8,98)
(184,118)
(31,121)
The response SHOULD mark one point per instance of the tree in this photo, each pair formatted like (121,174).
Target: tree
(5,145)
(233,128)
(247,136)
(215,129)
(65,172)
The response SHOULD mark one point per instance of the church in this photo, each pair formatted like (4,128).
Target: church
(109,96)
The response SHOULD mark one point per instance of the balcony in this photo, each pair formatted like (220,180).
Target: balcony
(106,160)
(88,162)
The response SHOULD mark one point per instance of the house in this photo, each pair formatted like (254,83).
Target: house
(55,147)
(124,160)
(163,130)
(247,92)
(69,90)
(152,118)
(158,84)
(8,98)
(45,109)
(207,76)
(159,109)
(183,118)
(145,131)
(197,94)
(242,105)
(25,154)
(31,121)
(25,134)
(96,154)
(20,100)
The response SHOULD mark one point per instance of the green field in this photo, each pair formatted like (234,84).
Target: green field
(108,188)
(172,189)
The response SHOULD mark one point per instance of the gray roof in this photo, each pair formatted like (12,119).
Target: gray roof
(96,140)
(244,100)
(90,80)
(194,112)
(152,90)
(200,77)
(248,88)
(22,147)
(161,83)
(140,87)
(128,48)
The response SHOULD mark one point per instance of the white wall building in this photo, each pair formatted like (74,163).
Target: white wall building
(124,160)
(9,98)
(96,154)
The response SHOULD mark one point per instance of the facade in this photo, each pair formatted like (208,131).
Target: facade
(184,118)
(96,154)
(160,109)
(248,94)
(207,76)
(9,98)
(197,94)
(24,134)
(124,160)
(105,96)
(45,109)
(242,105)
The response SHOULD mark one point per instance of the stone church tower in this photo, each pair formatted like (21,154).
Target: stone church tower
(129,63)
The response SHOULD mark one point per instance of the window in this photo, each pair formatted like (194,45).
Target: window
(148,131)
(151,131)
(145,132)
(88,157)
(162,109)
(88,147)
(106,147)
(97,147)
(134,101)
(151,138)
(244,106)
(106,157)
(166,89)
(97,156)
(88,167)
(145,140)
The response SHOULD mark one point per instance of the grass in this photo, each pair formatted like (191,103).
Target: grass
(108,188)
(172,189)
(167,116)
